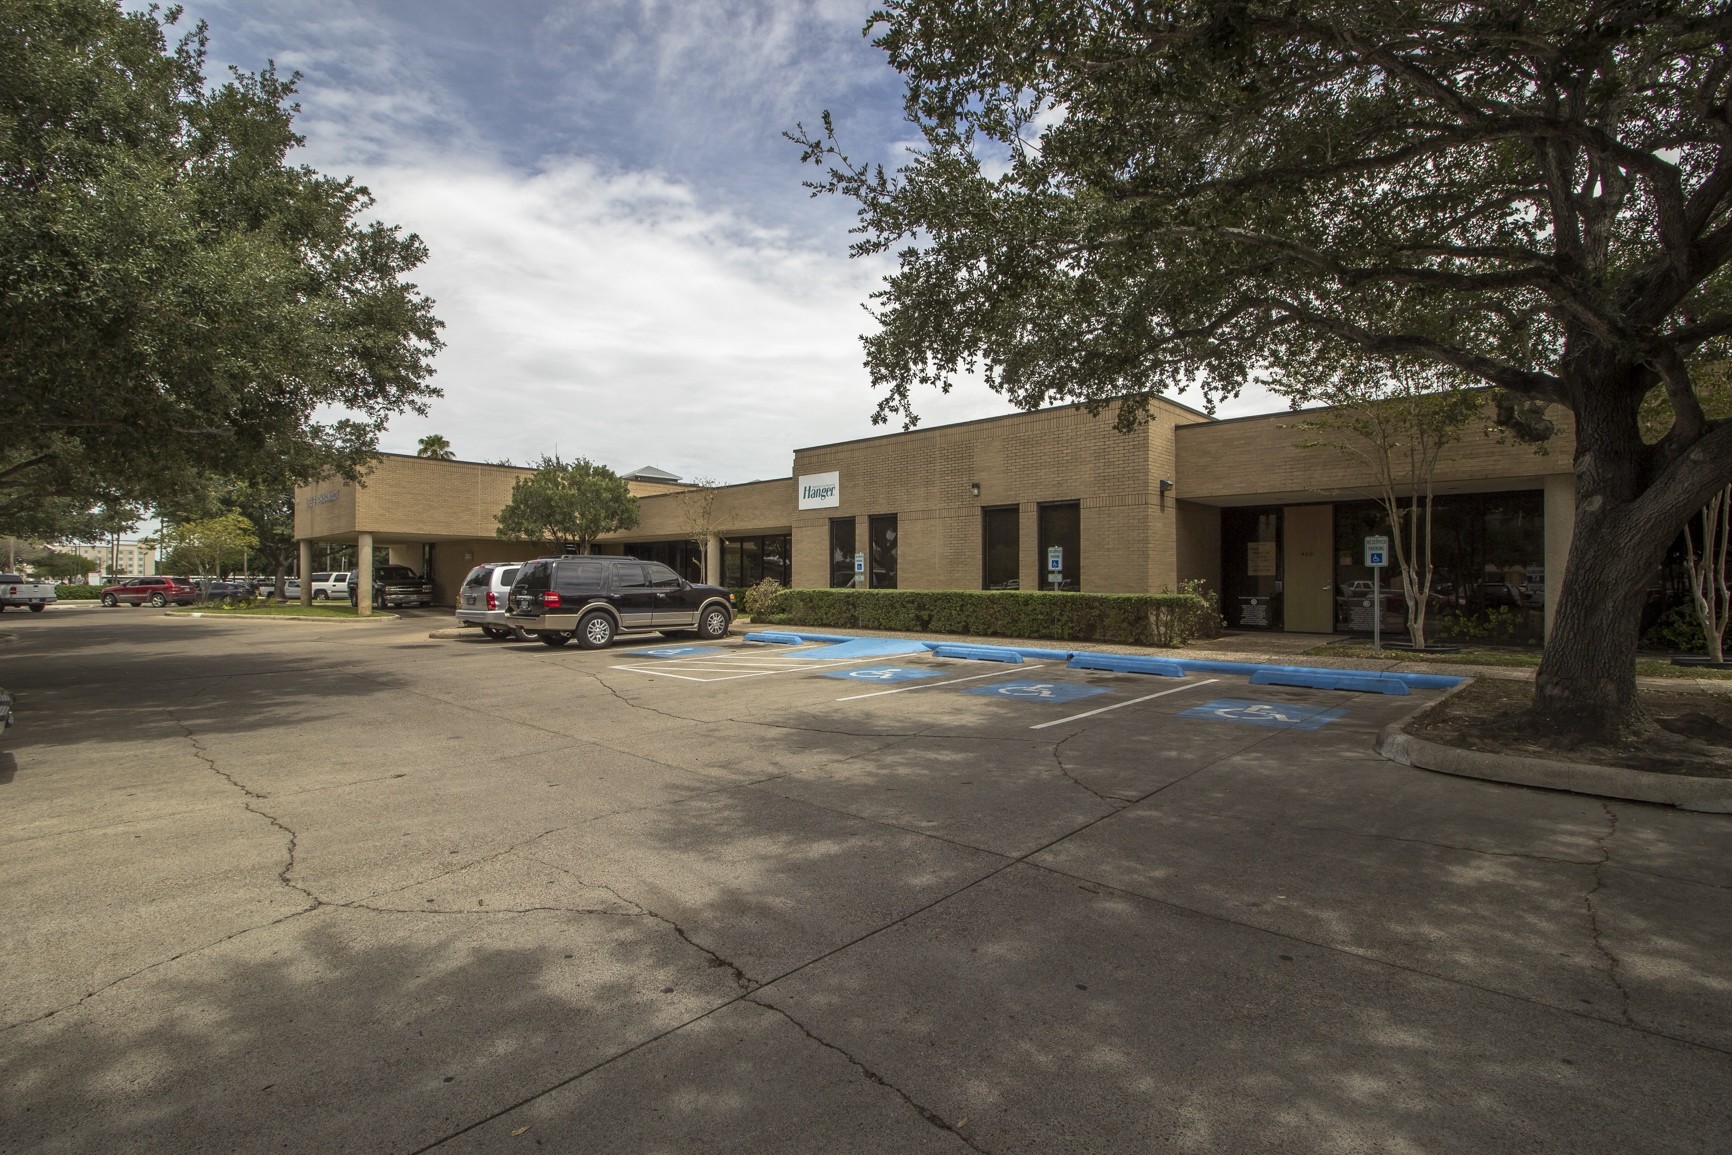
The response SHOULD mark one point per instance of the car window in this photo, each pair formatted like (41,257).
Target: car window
(661,577)
(340,577)
(477,577)
(579,577)
(508,574)
(629,575)
(321,577)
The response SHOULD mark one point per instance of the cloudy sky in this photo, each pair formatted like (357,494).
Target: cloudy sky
(621,250)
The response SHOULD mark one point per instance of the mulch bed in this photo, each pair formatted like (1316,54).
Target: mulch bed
(1681,732)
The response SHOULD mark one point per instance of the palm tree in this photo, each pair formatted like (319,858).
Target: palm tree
(436,447)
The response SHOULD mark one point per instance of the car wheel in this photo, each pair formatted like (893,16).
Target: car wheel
(110,600)
(595,631)
(37,608)
(158,600)
(713,623)
(550,638)
(321,596)
(496,633)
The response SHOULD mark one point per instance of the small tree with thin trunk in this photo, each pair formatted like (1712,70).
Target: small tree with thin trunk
(1710,594)
(1397,427)
(699,506)
(208,541)
(567,502)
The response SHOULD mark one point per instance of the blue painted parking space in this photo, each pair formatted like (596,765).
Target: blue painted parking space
(1030,691)
(1274,715)
(880,674)
(678,651)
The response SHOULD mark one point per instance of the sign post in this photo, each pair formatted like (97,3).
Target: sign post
(1055,565)
(859,569)
(1376,557)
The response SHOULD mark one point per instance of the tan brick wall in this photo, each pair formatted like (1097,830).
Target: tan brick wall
(1052,455)
(1231,462)
(754,507)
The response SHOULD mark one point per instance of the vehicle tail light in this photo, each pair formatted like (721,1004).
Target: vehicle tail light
(550,600)
(492,600)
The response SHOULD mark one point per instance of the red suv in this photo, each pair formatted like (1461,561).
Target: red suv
(158,591)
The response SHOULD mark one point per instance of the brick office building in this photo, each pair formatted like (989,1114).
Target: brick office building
(1272,526)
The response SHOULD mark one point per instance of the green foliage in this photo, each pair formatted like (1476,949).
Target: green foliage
(1497,624)
(762,600)
(436,447)
(179,299)
(1138,619)
(209,543)
(77,593)
(577,502)
(1680,630)
(55,564)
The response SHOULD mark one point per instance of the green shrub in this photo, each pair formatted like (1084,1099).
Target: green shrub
(762,600)
(1678,630)
(77,593)
(1139,619)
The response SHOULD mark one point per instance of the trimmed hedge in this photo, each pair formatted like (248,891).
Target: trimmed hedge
(1136,619)
(77,593)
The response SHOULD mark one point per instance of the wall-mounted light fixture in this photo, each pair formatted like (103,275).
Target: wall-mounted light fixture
(974,489)
(1166,484)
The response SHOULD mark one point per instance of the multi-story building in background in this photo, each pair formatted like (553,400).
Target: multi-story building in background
(125,558)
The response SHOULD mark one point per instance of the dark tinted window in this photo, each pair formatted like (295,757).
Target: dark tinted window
(477,577)
(1061,528)
(534,579)
(508,575)
(842,551)
(1001,547)
(395,573)
(629,575)
(579,577)
(661,577)
(321,577)
(882,565)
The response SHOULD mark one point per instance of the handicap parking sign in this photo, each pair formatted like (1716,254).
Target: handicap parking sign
(1037,691)
(680,651)
(881,674)
(1274,715)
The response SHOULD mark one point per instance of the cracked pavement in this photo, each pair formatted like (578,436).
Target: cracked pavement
(291,887)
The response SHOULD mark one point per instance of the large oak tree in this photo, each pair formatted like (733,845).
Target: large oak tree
(1118,197)
(177,299)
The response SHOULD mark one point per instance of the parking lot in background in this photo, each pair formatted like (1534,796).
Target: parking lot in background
(314,888)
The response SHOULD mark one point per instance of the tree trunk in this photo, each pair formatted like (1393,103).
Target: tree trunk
(1625,520)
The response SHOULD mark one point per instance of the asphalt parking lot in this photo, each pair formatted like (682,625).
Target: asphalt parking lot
(276,886)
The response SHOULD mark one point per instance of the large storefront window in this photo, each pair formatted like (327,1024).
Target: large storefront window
(746,561)
(683,557)
(841,552)
(1061,526)
(1000,547)
(882,564)
(1251,568)
(1488,557)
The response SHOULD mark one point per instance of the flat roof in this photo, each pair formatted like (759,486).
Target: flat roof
(1073,405)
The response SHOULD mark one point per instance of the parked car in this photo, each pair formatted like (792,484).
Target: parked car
(395,585)
(330,585)
(595,598)
(484,599)
(158,591)
(267,588)
(5,711)
(18,591)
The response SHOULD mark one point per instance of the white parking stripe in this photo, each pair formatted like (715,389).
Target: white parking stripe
(1121,705)
(935,685)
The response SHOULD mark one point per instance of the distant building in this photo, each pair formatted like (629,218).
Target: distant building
(128,558)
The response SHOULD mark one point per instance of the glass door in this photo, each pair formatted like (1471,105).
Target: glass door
(1251,568)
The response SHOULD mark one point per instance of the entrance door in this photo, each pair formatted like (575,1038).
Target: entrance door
(1251,568)
(1309,570)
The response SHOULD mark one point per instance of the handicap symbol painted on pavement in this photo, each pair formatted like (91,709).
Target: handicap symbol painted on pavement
(1275,715)
(1037,691)
(679,651)
(881,674)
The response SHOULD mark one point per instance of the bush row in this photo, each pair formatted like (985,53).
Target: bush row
(1137,619)
(76,593)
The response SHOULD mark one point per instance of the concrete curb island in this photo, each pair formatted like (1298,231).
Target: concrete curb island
(243,617)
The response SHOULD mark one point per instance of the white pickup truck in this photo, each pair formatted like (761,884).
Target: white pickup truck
(16,590)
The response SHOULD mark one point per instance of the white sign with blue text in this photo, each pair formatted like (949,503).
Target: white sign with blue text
(820,490)
(1376,552)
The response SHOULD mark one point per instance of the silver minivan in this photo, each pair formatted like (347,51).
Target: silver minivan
(482,600)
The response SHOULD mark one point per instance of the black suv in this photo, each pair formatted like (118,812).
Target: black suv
(592,598)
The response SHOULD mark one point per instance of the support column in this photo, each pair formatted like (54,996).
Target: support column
(363,576)
(306,571)
(713,560)
(1560,528)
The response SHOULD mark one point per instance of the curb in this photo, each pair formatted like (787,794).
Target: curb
(1711,795)
(218,614)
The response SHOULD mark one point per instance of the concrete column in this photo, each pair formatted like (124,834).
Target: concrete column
(364,574)
(1560,529)
(306,571)
(713,559)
